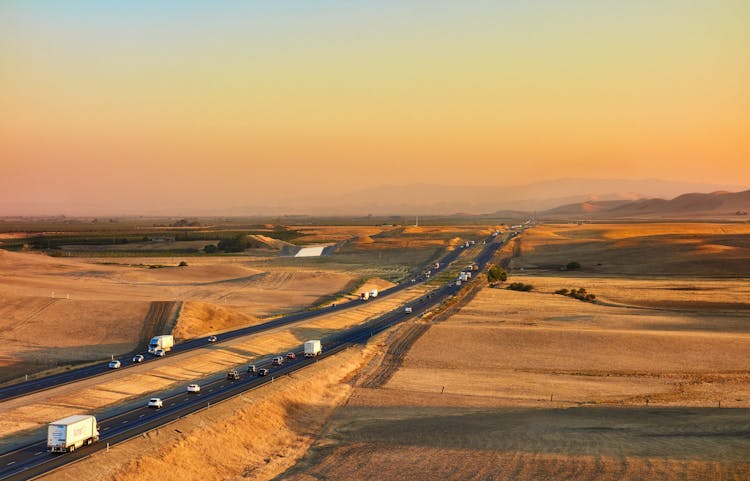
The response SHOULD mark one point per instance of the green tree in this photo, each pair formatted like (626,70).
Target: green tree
(496,274)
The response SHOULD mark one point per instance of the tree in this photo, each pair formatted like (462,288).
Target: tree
(573,265)
(210,249)
(182,264)
(496,274)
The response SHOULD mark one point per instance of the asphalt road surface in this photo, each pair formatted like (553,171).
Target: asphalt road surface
(33,460)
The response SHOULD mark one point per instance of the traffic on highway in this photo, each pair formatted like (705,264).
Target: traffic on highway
(33,459)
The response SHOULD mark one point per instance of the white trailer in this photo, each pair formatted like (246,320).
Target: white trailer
(374,293)
(69,434)
(312,348)
(407,310)
(164,342)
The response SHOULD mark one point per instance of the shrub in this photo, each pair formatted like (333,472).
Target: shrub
(573,266)
(579,294)
(520,286)
(182,264)
(210,249)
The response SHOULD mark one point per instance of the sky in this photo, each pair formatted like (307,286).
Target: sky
(146,106)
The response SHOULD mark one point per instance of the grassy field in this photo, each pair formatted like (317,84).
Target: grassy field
(712,250)
(650,382)
(142,381)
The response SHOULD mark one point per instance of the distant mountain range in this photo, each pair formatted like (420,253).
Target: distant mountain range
(433,199)
(562,198)
(694,205)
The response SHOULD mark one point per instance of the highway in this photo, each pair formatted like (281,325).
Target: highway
(47,382)
(33,460)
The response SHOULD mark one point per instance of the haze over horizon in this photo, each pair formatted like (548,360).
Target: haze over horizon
(180,106)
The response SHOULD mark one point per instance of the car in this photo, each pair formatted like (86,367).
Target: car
(155,402)
(252,369)
(277,361)
(138,358)
(114,364)
(193,388)
(212,339)
(160,353)
(291,355)
(233,375)
(262,372)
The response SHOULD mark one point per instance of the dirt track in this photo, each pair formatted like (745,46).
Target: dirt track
(394,356)
(160,319)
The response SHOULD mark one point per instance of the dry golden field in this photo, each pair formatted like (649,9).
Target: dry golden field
(705,249)
(255,436)
(55,311)
(140,382)
(651,382)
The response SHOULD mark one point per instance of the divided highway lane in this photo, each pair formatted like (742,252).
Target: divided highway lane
(33,460)
(48,382)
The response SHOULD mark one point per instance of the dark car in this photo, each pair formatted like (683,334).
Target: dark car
(252,369)
(233,375)
(277,361)
(262,372)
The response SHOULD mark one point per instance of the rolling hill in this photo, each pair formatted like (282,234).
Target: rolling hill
(693,205)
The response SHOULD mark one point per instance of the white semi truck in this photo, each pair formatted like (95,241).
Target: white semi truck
(312,348)
(164,342)
(69,434)
(364,296)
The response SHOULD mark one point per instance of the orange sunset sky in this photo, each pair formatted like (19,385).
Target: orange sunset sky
(118,106)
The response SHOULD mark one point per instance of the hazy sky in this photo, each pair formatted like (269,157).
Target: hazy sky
(126,105)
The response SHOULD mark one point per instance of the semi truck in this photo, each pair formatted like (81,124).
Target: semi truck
(69,434)
(164,342)
(364,296)
(373,293)
(312,348)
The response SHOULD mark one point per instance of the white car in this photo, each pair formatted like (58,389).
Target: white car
(193,388)
(155,402)
(212,339)
(138,358)
(114,364)
(160,353)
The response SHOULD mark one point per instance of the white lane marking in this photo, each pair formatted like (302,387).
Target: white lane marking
(104,429)
(141,415)
(40,452)
(172,404)
(125,422)
(12,462)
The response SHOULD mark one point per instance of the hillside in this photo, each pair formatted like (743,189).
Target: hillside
(715,204)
